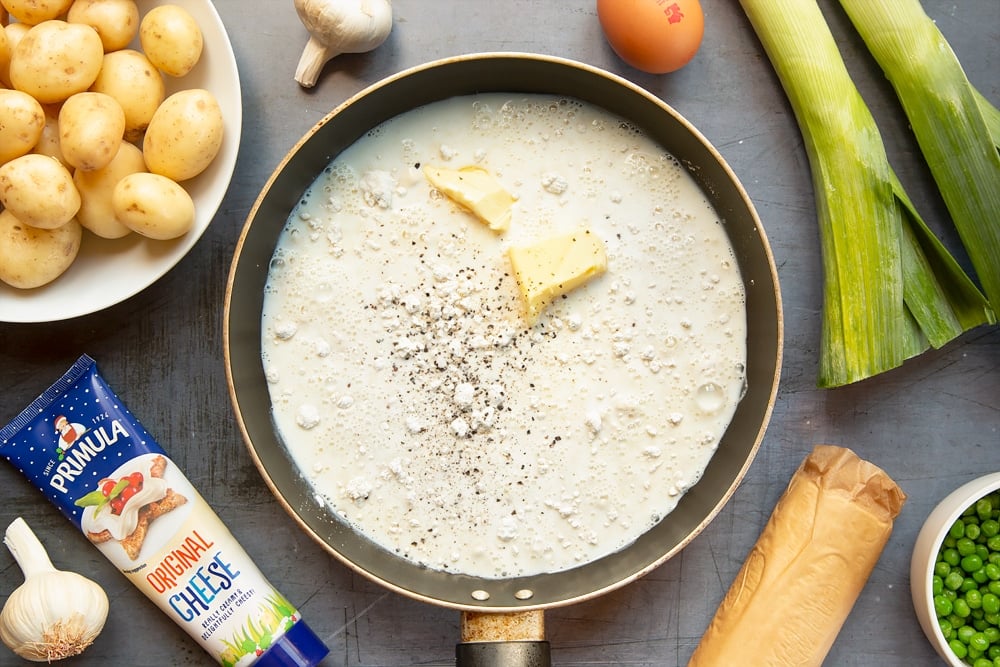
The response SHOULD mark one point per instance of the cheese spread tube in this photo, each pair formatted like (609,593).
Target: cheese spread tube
(809,564)
(92,458)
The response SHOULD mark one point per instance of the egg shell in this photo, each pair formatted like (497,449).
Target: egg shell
(655,36)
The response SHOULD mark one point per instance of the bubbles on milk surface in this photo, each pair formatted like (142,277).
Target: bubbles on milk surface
(411,391)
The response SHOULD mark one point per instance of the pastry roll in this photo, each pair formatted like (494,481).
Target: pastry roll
(802,577)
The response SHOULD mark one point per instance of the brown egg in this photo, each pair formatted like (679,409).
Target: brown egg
(655,36)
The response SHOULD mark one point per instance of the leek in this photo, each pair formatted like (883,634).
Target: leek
(891,289)
(949,120)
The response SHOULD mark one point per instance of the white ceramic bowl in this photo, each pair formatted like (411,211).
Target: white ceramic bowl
(925,552)
(106,271)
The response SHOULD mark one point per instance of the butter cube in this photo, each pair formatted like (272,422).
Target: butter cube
(477,190)
(555,266)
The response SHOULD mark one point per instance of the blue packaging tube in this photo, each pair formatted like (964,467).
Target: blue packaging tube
(83,449)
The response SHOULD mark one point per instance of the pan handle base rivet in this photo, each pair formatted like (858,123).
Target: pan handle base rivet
(480,595)
(524,594)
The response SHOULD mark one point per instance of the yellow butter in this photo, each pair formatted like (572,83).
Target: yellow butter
(477,190)
(556,265)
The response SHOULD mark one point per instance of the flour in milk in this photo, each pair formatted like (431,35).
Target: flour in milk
(408,386)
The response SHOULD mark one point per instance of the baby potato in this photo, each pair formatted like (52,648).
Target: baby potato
(34,12)
(48,143)
(4,58)
(56,59)
(171,38)
(15,31)
(91,127)
(31,257)
(184,135)
(153,205)
(39,190)
(116,21)
(129,77)
(96,187)
(22,120)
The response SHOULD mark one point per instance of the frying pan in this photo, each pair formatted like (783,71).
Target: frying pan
(502,619)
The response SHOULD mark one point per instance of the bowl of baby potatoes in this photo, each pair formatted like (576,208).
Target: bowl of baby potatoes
(120,123)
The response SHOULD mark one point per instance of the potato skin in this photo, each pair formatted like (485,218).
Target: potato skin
(39,191)
(22,120)
(96,187)
(5,50)
(55,59)
(153,205)
(34,12)
(129,77)
(31,257)
(171,38)
(91,128)
(184,135)
(116,21)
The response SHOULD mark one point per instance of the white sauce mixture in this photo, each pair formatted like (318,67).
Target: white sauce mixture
(408,388)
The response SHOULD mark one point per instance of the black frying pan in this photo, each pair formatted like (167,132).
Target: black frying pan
(496,611)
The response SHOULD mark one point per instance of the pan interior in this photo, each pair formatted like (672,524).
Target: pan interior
(502,73)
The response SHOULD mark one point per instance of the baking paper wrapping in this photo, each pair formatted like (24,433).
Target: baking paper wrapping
(802,577)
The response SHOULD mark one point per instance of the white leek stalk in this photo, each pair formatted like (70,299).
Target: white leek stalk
(890,287)
(947,117)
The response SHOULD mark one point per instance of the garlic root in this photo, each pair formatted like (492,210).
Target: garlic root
(54,614)
(336,27)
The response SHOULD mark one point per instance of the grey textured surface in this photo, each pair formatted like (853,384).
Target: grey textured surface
(932,424)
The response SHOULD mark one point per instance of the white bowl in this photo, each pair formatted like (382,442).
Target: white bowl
(106,271)
(925,552)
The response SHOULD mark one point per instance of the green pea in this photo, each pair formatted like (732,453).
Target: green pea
(957,529)
(965,633)
(937,585)
(961,607)
(958,648)
(994,587)
(972,531)
(994,652)
(946,628)
(941,569)
(993,543)
(954,580)
(991,604)
(971,563)
(992,633)
(951,556)
(983,552)
(980,576)
(990,527)
(942,606)
(974,598)
(984,508)
(992,571)
(982,662)
(965,546)
(968,584)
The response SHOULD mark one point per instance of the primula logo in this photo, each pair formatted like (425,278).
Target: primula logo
(68,433)
(78,446)
(674,14)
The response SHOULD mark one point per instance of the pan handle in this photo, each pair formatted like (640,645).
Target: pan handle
(503,640)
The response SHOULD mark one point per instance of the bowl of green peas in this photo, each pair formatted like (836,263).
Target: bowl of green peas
(955,575)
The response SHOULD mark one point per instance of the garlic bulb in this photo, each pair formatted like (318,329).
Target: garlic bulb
(54,614)
(339,26)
